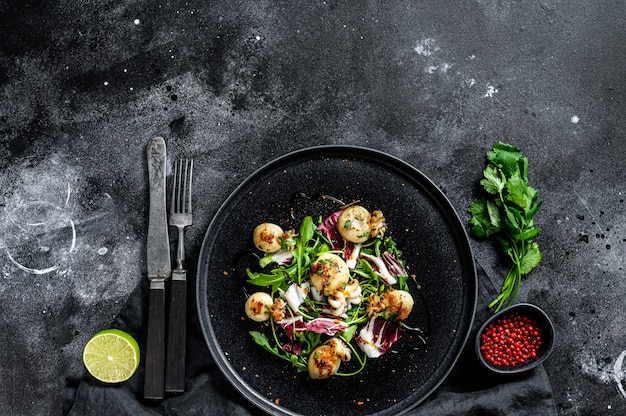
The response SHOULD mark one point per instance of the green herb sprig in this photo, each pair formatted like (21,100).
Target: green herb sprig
(506,214)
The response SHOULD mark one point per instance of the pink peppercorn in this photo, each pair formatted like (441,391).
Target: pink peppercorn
(511,340)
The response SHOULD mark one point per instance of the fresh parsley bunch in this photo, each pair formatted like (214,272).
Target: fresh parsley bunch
(507,215)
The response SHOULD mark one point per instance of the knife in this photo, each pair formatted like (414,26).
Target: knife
(159,269)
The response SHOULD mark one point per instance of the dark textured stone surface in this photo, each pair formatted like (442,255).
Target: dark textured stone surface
(85,85)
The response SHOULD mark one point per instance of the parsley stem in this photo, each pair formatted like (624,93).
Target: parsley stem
(512,281)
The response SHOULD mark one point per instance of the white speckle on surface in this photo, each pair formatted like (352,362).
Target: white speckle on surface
(590,366)
(575,119)
(136,22)
(102,251)
(443,68)
(491,90)
(426,47)
(106,83)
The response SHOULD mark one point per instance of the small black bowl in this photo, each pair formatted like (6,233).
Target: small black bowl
(546,337)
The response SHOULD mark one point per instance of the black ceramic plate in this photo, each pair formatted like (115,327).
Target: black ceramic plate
(422,222)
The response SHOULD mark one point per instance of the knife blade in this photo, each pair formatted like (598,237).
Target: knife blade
(159,269)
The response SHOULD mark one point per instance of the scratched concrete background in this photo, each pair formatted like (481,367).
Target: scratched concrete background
(84,86)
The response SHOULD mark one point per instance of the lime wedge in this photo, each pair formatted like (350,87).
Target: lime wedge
(111,356)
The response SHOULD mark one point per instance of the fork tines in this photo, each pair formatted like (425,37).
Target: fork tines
(181,195)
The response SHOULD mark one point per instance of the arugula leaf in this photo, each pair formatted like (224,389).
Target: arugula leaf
(506,214)
(275,279)
(349,333)
(307,229)
(262,340)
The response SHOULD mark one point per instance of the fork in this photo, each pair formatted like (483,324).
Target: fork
(180,217)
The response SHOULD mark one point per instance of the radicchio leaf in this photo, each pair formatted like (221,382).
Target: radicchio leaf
(280,257)
(351,253)
(319,325)
(293,324)
(293,347)
(393,265)
(326,326)
(380,268)
(295,295)
(329,228)
(377,336)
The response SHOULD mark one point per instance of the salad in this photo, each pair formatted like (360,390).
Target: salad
(334,291)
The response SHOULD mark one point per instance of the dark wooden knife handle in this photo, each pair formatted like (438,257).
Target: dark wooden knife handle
(155,346)
(177,332)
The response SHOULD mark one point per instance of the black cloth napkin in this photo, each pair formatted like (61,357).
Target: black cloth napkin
(468,390)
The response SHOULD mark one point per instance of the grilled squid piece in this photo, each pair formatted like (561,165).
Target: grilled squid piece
(324,361)
(278,311)
(354,224)
(394,305)
(267,237)
(378,226)
(328,273)
(341,300)
(258,306)
(289,240)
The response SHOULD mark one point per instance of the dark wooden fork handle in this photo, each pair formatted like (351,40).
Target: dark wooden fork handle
(177,332)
